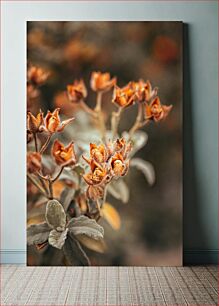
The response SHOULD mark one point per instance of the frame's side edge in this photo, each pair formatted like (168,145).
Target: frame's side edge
(200,257)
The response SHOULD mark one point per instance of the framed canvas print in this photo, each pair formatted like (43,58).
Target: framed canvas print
(104,143)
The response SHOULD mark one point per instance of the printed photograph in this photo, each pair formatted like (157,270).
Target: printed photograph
(104,143)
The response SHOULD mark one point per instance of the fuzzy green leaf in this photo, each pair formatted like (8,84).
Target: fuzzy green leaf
(92,244)
(74,252)
(70,175)
(67,196)
(57,239)
(145,167)
(119,190)
(85,226)
(37,233)
(55,215)
(139,140)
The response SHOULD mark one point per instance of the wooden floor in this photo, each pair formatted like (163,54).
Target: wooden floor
(108,286)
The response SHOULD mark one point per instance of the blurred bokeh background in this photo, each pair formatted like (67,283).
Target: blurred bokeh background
(151,230)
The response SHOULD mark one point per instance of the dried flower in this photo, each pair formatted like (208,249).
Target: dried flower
(134,92)
(101,81)
(119,162)
(120,144)
(124,96)
(34,124)
(53,122)
(95,192)
(97,179)
(97,174)
(33,162)
(144,91)
(77,91)
(156,111)
(106,163)
(119,166)
(98,153)
(123,147)
(64,156)
(37,75)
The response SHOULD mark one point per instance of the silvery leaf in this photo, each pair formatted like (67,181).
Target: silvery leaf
(69,175)
(85,226)
(139,140)
(119,190)
(55,215)
(145,167)
(79,170)
(66,197)
(74,252)
(57,239)
(92,244)
(83,120)
(82,129)
(37,233)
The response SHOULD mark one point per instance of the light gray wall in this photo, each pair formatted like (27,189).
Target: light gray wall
(200,108)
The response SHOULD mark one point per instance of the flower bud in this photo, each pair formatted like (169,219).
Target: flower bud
(101,81)
(64,156)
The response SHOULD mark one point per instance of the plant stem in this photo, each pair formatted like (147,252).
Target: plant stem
(50,188)
(34,182)
(99,114)
(115,121)
(138,121)
(44,185)
(45,144)
(98,205)
(35,141)
(47,178)
(50,181)
(58,175)
(99,101)
(42,176)
(42,180)
(87,109)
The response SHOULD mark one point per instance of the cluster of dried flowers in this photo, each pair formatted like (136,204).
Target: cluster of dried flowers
(72,215)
